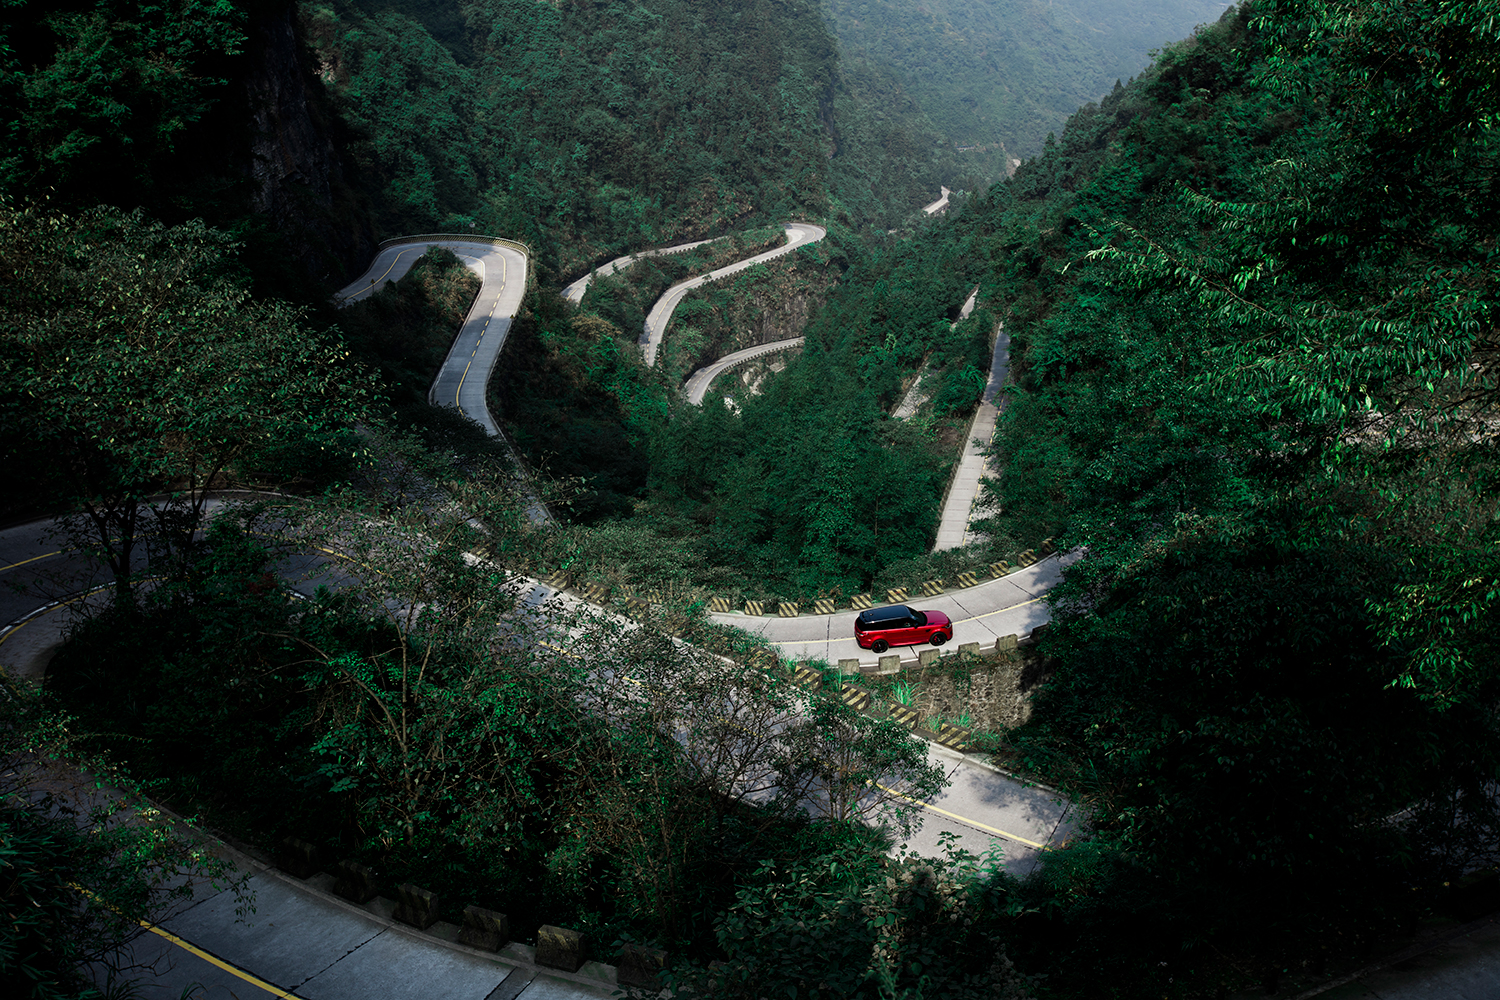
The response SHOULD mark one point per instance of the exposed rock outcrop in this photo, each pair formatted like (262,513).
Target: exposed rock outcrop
(298,176)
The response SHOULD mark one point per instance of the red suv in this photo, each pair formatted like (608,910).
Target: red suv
(879,629)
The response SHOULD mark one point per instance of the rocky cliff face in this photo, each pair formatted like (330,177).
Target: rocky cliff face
(298,177)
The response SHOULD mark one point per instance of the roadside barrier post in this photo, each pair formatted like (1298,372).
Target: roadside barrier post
(417,907)
(561,948)
(484,929)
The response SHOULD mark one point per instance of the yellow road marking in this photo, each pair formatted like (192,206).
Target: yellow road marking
(388,270)
(60,604)
(193,949)
(23,562)
(1001,611)
(964,819)
(504,272)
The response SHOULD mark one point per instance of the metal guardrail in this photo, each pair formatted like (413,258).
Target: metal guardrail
(462,237)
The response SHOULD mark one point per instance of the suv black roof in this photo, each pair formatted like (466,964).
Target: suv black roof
(885,614)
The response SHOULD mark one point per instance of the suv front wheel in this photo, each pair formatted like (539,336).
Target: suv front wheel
(938,639)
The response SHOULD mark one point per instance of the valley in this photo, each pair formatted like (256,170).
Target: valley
(608,478)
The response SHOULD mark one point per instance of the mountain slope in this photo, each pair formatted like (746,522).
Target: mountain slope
(993,73)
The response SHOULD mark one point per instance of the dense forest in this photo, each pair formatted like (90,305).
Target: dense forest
(996,76)
(1251,296)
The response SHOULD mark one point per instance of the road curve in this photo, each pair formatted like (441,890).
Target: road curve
(464,377)
(940,205)
(465,373)
(798,235)
(696,387)
(308,941)
(574,292)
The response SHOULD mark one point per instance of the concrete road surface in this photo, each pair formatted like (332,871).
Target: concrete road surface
(696,387)
(798,235)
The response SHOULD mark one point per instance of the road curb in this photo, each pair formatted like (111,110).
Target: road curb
(513,955)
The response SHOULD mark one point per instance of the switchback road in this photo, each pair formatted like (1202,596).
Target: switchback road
(798,235)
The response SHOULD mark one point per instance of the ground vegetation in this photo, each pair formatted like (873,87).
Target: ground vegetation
(1251,308)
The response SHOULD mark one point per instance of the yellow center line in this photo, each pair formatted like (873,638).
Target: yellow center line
(504,270)
(964,819)
(23,562)
(193,949)
(59,605)
(388,270)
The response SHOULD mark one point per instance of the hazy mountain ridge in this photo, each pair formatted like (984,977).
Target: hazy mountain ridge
(991,72)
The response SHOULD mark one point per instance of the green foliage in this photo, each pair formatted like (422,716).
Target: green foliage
(96,95)
(625,783)
(1249,308)
(82,861)
(854,924)
(132,365)
(1001,75)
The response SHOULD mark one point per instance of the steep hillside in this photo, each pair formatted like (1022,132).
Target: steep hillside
(187,110)
(587,127)
(995,76)
(1252,302)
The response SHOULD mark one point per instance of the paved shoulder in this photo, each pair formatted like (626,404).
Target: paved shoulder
(301,943)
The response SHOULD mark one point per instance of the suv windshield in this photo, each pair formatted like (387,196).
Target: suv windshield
(919,617)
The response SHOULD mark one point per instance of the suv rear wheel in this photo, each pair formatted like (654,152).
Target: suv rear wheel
(879,646)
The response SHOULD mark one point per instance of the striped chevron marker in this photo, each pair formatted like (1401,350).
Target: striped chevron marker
(720,605)
(968,580)
(896,595)
(906,716)
(823,606)
(953,736)
(856,698)
(859,602)
(932,588)
(787,610)
(755,608)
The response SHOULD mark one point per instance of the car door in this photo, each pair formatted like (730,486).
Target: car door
(906,632)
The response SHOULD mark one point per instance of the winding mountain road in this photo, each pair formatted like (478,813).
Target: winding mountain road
(574,292)
(302,941)
(798,235)
(941,205)
(465,374)
(696,387)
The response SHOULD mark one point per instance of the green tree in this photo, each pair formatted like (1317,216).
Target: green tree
(83,861)
(97,94)
(133,367)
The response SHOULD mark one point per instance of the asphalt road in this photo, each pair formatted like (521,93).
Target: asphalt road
(302,942)
(798,235)
(696,387)
(299,943)
(940,205)
(575,291)
(1011,605)
(462,380)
